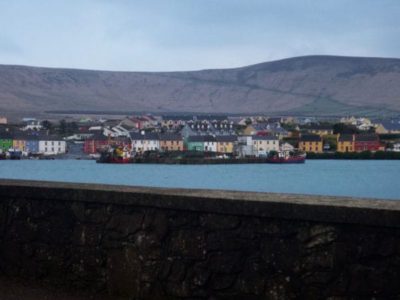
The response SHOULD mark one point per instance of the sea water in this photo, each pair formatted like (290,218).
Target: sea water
(357,178)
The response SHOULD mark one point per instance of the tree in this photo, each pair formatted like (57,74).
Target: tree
(62,127)
(47,125)
(342,128)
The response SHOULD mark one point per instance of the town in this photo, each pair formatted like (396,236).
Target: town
(218,135)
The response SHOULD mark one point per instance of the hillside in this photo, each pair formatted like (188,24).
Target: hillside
(319,85)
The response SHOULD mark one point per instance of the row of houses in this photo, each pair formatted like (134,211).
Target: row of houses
(33,144)
(140,142)
(345,143)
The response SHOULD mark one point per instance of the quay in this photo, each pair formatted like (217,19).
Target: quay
(157,243)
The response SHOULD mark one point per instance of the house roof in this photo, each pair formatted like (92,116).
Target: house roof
(265,138)
(319,127)
(196,138)
(366,137)
(310,138)
(142,137)
(98,136)
(391,125)
(226,138)
(346,138)
(170,137)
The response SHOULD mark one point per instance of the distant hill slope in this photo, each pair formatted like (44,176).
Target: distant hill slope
(320,85)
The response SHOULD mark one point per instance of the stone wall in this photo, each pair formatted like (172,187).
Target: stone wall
(149,243)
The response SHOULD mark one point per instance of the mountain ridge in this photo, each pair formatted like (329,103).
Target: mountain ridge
(287,85)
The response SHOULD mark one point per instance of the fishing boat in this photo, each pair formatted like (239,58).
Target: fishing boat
(286,157)
(116,155)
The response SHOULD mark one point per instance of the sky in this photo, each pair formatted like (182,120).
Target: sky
(176,35)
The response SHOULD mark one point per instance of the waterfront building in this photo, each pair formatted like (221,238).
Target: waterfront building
(245,145)
(95,143)
(121,141)
(195,143)
(51,145)
(19,142)
(311,143)
(396,147)
(171,142)
(142,141)
(210,143)
(345,143)
(226,143)
(264,144)
(6,141)
(32,144)
(367,142)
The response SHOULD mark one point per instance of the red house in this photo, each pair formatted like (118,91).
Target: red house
(367,142)
(94,143)
(121,142)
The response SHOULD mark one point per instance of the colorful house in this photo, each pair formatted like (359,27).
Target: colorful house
(264,144)
(32,144)
(226,143)
(367,142)
(19,142)
(311,143)
(142,141)
(195,143)
(345,143)
(95,143)
(210,143)
(171,142)
(6,141)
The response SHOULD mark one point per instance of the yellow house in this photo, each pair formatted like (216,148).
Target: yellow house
(226,143)
(345,143)
(171,142)
(311,143)
(19,143)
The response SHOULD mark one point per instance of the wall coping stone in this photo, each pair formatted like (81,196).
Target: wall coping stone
(375,212)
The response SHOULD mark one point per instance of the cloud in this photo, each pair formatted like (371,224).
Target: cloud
(183,35)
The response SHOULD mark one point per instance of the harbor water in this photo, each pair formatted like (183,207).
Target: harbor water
(356,178)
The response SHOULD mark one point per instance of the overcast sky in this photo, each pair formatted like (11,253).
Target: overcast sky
(167,35)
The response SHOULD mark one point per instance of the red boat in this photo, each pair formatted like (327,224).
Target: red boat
(287,157)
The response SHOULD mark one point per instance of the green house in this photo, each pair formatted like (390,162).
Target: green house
(195,143)
(6,141)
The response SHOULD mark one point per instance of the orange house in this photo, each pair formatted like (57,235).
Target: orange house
(171,142)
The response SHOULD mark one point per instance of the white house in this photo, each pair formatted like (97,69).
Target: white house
(32,125)
(210,144)
(396,147)
(52,146)
(262,145)
(142,141)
